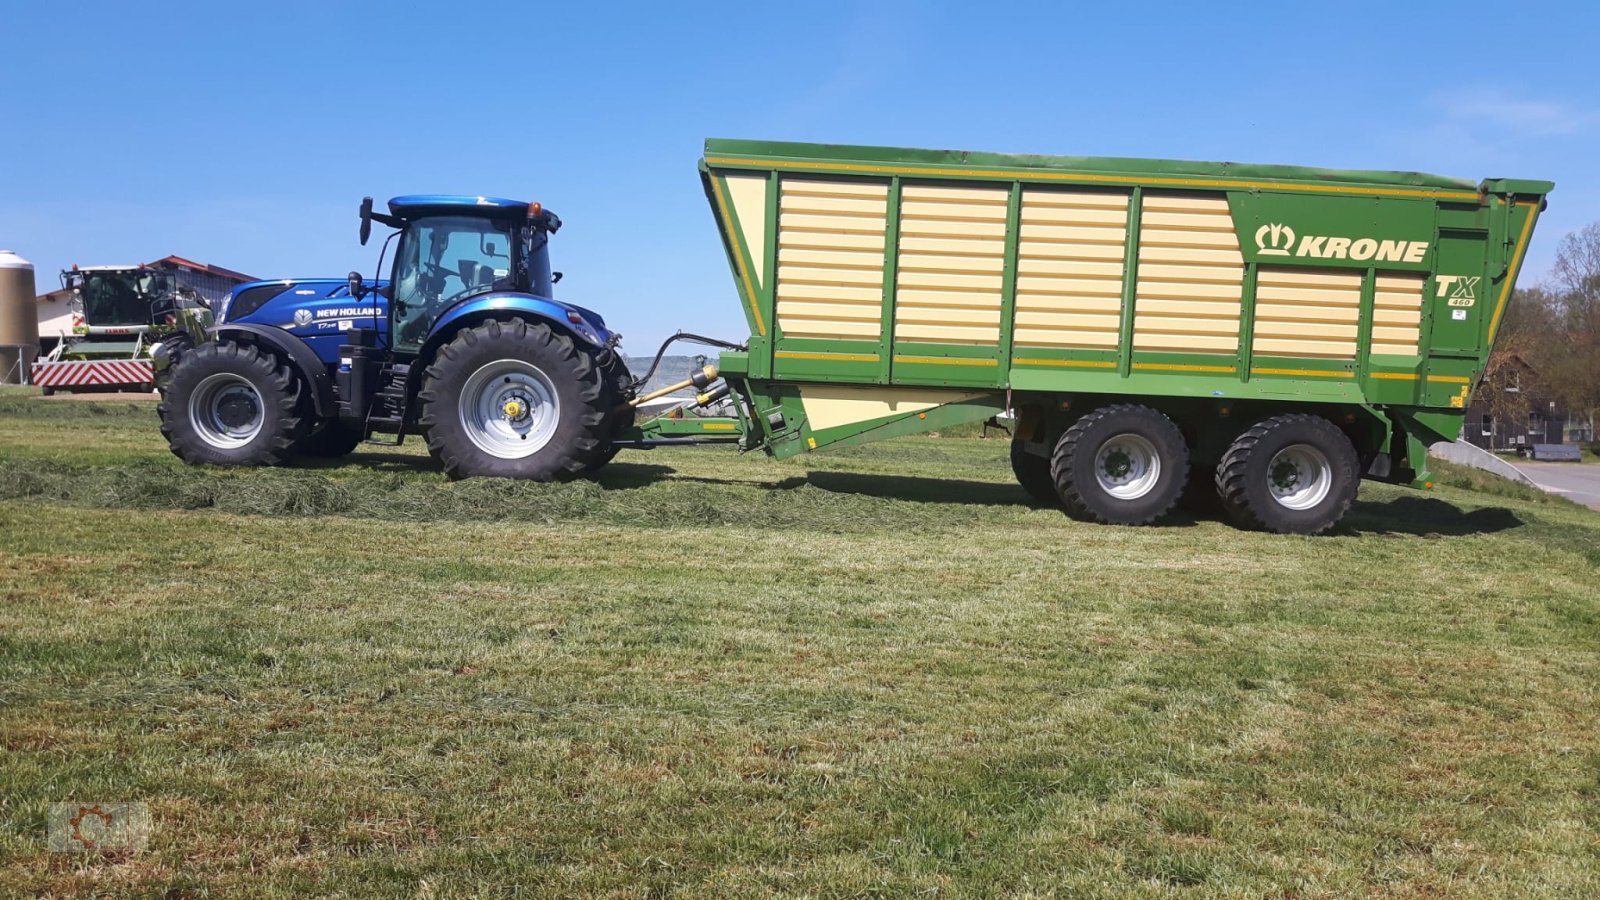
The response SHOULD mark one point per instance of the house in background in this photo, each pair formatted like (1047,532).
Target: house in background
(1509,413)
(55,318)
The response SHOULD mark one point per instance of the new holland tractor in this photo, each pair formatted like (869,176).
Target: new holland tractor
(464,344)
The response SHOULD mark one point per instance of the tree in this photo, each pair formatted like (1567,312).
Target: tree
(1549,342)
(1571,364)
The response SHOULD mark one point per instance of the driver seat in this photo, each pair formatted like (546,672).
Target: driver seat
(476,275)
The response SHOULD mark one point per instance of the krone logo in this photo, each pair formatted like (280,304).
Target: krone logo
(302,317)
(1274,239)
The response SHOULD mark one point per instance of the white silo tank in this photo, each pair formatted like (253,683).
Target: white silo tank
(19,320)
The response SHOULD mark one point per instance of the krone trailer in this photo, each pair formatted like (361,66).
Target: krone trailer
(1272,333)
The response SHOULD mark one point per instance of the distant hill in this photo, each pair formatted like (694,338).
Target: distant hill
(672,369)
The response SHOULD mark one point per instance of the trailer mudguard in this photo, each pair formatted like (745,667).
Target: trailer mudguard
(299,354)
(582,324)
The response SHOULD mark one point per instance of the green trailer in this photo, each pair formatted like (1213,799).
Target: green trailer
(1151,326)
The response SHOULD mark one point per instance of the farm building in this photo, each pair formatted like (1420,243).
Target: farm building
(211,282)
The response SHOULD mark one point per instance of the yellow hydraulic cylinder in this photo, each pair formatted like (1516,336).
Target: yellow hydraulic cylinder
(699,379)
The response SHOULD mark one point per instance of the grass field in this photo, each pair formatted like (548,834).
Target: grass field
(874,672)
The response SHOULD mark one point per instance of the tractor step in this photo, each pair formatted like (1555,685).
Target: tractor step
(389,403)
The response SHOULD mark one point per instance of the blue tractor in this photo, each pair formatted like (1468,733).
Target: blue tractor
(464,344)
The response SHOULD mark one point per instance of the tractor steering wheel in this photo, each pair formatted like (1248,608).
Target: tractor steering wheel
(444,299)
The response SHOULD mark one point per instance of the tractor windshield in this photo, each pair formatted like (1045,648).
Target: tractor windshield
(443,260)
(117,298)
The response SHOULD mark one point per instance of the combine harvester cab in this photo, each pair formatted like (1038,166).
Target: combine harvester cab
(1268,332)
(122,317)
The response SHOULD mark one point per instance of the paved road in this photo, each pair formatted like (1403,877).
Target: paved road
(1578,482)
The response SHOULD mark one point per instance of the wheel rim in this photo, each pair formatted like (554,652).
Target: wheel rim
(226,411)
(1127,466)
(509,409)
(1299,476)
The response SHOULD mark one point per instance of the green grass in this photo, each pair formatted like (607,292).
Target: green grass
(873,672)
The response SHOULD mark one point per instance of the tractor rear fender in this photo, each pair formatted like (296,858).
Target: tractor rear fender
(296,352)
(585,327)
(589,332)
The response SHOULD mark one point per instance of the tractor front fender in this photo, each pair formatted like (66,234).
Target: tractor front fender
(298,354)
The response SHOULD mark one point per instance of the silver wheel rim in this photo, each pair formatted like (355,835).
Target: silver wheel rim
(1127,466)
(1299,476)
(226,411)
(509,409)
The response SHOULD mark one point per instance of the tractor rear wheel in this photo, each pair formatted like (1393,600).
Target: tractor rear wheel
(619,417)
(514,400)
(1033,473)
(231,404)
(1290,474)
(1121,465)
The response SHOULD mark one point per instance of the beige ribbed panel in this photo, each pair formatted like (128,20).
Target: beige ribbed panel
(1069,269)
(748,193)
(1307,312)
(1397,314)
(1190,278)
(950,270)
(830,258)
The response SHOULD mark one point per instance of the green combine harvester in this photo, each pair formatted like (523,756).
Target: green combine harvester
(120,314)
(1271,333)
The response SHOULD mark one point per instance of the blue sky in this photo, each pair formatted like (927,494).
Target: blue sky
(246,134)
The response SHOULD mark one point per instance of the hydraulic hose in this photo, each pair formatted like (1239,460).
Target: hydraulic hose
(680,336)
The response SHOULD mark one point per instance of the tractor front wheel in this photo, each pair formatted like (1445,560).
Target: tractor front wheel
(514,400)
(231,404)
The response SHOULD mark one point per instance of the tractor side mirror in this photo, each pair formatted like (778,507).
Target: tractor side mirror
(357,289)
(366,219)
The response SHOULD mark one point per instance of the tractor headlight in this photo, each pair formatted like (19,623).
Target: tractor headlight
(222,307)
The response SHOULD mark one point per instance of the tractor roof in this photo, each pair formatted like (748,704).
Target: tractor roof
(413,206)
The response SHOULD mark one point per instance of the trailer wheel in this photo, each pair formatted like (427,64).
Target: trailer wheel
(1290,474)
(1033,473)
(231,404)
(513,400)
(1120,465)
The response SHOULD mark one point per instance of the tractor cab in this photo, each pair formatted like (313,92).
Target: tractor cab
(455,249)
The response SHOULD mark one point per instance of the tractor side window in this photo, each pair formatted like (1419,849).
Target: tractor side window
(442,261)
